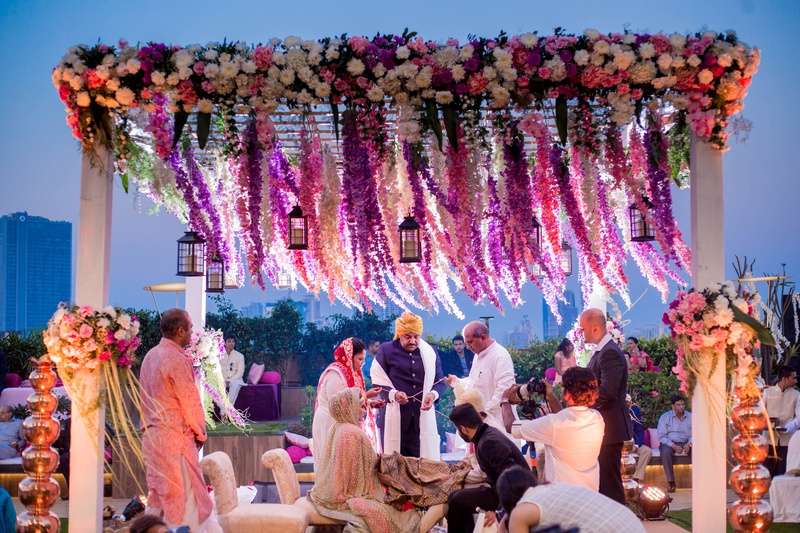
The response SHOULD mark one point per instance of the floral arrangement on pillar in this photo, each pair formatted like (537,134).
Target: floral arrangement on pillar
(81,340)
(445,130)
(717,326)
(39,491)
(205,350)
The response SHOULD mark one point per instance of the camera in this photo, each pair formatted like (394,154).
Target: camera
(529,408)
(534,386)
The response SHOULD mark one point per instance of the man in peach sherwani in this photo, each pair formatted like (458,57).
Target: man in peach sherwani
(174,429)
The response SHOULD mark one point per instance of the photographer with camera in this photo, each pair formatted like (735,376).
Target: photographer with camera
(572,436)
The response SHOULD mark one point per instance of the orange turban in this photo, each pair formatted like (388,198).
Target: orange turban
(407,323)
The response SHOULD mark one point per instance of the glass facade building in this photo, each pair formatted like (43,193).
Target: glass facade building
(569,314)
(35,270)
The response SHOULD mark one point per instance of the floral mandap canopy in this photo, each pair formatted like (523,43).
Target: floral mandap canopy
(506,151)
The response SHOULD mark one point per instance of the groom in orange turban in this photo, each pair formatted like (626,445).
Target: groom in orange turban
(409,372)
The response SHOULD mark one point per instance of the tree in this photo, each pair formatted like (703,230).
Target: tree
(282,337)
(319,342)
(20,347)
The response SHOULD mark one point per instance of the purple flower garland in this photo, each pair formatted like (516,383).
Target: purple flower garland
(570,204)
(214,231)
(360,205)
(658,184)
(254,155)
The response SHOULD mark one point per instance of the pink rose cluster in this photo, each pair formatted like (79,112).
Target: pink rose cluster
(704,322)
(83,338)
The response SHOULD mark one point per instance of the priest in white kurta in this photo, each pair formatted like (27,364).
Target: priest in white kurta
(492,370)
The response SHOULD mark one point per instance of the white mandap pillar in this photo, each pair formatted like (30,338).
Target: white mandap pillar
(91,288)
(708,404)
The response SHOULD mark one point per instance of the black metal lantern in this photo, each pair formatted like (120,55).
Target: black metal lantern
(298,229)
(191,255)
(410,243)
(537,233)
(284,280)
(538,273)
(215,276)
(231,279)
(641,230)
(566,259)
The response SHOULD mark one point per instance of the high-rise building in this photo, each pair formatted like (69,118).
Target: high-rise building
(35,270)
(569,314)
(521,335)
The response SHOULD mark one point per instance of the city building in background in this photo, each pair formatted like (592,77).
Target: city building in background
(253,310)
(569,314)
(650,331)
(521,335)
(35,270)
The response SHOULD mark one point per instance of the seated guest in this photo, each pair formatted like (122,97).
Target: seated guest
(572,436)
(528,506)
(459,361)
(346,485)
(674,436)
(11,439)
(639,359)
(643,453)
(495,454)
(147,523)
(782,402)
(232,365)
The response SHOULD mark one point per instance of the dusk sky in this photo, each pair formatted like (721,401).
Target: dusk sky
(40,160)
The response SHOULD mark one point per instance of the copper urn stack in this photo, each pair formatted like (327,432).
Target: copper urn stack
(39,491)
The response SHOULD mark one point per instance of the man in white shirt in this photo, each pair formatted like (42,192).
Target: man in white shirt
(492,370)
(572,436)
(232,364)
(782,402)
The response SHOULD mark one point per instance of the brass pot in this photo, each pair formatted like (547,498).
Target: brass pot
(750,516)
(38,495)
(42,404)
(749,419)
(40,461)
(750,481)
(41,431)
(749,449)
(43,379)
(27,523)
(628,466)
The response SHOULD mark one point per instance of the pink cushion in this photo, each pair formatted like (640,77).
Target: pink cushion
(254,376)
(653,438)
(25,383)
(646,438)
(271,378)
(296,440)
(13,380)
(295,453)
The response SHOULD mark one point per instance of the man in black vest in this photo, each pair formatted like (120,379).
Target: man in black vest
(495,453)
(609,365)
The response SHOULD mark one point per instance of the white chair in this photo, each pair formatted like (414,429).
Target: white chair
(288,487)
(234,518)
(784,491)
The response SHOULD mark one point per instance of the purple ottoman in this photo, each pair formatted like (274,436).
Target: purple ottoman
(260,402)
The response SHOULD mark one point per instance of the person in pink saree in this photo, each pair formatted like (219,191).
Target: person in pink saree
(346,485)
(174,429)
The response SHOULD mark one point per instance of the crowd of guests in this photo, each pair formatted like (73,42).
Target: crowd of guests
(374,438)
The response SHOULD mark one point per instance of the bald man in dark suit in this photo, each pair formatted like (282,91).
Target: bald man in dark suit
(609,365)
